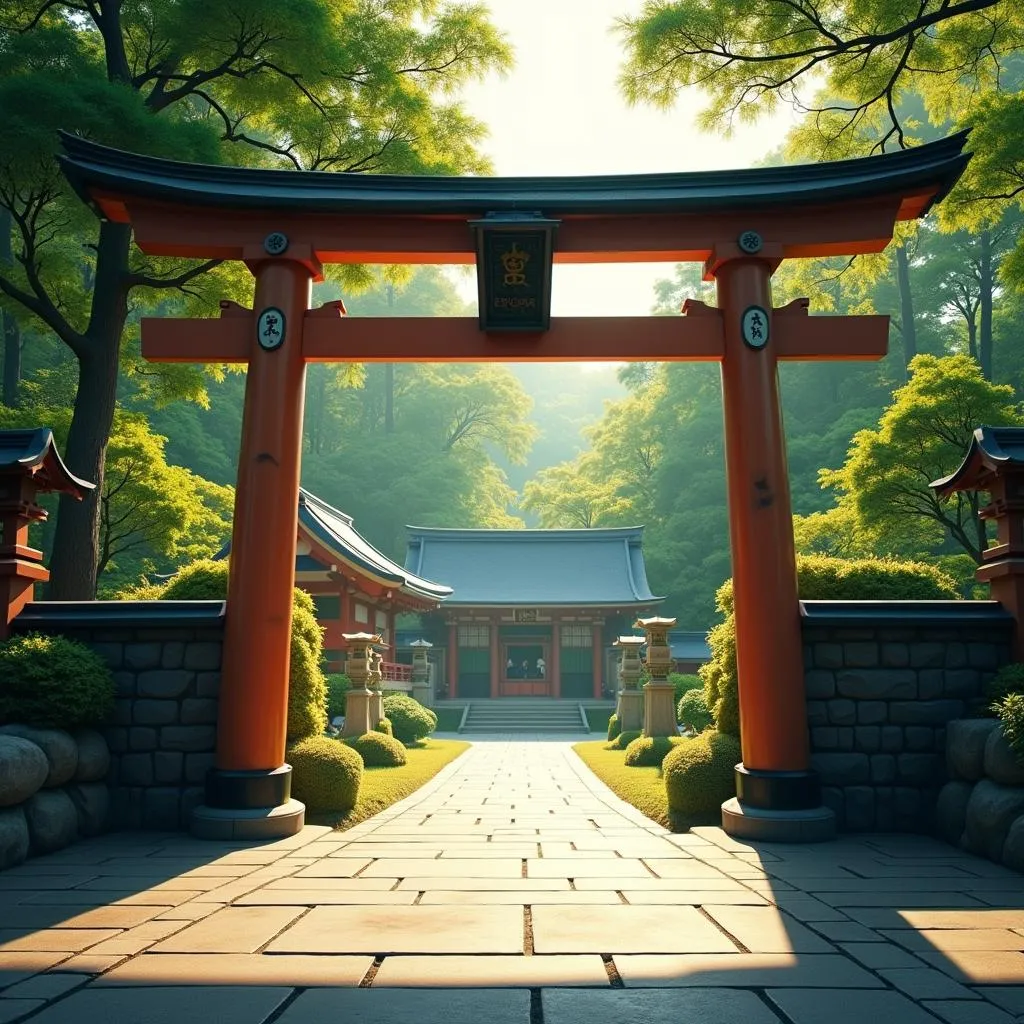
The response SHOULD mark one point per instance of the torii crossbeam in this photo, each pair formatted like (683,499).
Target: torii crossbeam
(740,224)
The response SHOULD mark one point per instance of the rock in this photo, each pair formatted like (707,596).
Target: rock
(1001,763)
(52,820)
(93,756)
(965,746)
(990,812)
(1013,847)
(951,811)
(92,804)
(13,837)
(23,769)
(60,749)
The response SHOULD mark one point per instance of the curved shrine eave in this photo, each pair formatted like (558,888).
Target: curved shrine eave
(217,212)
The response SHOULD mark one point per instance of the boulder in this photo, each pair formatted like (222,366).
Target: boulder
(990,812)
(1001,763)
(93,756)
(92,803)
(951,811)
(1013,848)
(23,770)
(13,837)
(58,746)
(52,820)
(965,746)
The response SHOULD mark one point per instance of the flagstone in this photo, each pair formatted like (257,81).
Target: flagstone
(84,915)
(932,940)
(16,965)
(501,867)
(231,930)
(958,1012)
(745,970)
(692,897)
(562,897)
(583,867)
(334,897)
(709,1006)
(497,971)
(803,1006)
(765,930)
(13,1009)
(69,940)
(926,983)
(154,968)
(979,967)
(424,1006)
(425,883)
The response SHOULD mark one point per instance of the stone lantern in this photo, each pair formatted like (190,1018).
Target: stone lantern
(29,465)
(358,700)
(659,693)
(375,685)
(421,688)
(630,707)
(995,463)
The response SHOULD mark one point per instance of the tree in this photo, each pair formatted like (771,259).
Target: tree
(922,436)
(305,84)
(573,495)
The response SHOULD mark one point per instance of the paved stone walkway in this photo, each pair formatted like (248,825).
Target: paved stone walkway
(512,889)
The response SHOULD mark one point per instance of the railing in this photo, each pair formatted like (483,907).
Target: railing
(392,672)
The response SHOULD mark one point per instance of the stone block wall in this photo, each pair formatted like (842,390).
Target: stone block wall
(883,679)
(165,657)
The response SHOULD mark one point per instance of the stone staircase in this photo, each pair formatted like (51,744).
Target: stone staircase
(519,714)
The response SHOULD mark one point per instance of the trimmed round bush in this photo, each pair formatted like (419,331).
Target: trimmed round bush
(325,774)
(207,579)
(693,711)
(649,751)
(384,726)
(684,684)
(623,740)
(819,577)
(410,720)
(378,750)
(338,685)
(53,683)
(698,775)
(613,727)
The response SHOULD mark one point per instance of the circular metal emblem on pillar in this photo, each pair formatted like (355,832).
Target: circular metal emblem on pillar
(754,326)
(270,327)
(750,242)
(275,243)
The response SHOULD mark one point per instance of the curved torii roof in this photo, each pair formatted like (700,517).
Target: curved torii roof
(992,449)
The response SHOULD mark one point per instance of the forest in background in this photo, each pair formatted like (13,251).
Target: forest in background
(491,445)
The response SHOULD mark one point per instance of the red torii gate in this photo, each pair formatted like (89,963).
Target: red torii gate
(285,225)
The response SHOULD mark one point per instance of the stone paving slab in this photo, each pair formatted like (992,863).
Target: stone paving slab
(804,1006)
(239,969)
(709,1006)
(744,970)
(422,1006)
(492,971)
(231,930)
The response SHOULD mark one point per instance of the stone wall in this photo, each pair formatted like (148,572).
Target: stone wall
(883,679)
(165,657)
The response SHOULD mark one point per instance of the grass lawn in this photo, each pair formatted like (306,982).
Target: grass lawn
(641,787)
(448,719)
(382,787)
(597,718)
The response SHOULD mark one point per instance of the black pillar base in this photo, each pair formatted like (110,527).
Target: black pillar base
(248,790)
(777,791)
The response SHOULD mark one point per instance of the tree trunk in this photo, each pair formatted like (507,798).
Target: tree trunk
(12,358)
(389,379)
(907,326)
(985,279)
(76,539)
(972,337)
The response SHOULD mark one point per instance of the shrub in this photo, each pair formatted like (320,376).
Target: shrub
(338,685)
(207,579)
(378,750)
(613,727)
(325,774)
(699,777)
(649,751)
(624,739)
(410,720)
(693,711)
(1011,713)
(684,684)
(1009,679)
(819,578)
(384,726)
(53,682)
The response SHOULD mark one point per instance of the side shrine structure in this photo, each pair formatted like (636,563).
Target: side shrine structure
(534,613)
(740,225)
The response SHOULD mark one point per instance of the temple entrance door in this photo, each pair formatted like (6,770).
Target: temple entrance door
(524,677)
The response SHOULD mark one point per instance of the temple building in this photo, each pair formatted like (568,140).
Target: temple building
(533,612)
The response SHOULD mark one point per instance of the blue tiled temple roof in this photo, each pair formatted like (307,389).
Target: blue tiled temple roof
(534,567)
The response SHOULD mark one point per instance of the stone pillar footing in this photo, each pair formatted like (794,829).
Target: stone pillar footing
(631,710)
(777,790)
(251,823)
(810,825)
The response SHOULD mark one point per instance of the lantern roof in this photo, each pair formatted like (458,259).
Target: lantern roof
(993,451)
(34,453)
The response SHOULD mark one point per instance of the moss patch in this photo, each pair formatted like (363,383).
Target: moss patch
(382,787)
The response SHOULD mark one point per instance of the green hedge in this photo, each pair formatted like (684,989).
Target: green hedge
(52,682)
(623,739)
(410,720)
(378,750)
(648,751)
(613,727)
(819,578)
(693,711)
(338,685)
(307,689)
(699,776)
(384,726)
(326,774)
(683,685)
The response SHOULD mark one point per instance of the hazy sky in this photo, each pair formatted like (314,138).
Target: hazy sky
(559,112)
